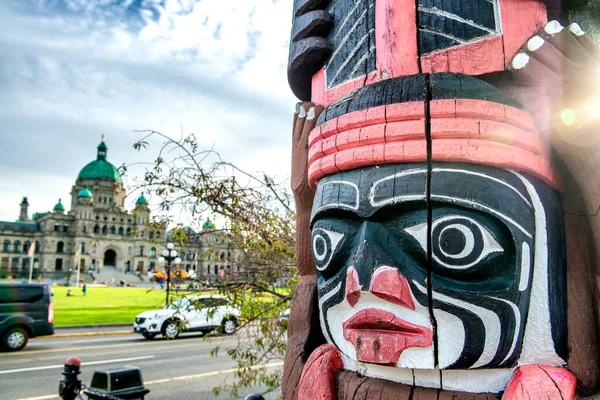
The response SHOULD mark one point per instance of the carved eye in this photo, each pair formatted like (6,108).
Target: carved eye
(324,244)
(457,243)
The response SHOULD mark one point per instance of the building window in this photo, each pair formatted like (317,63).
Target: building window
(6,246)
(58,264)
(65,228)
(141,251)
(121,230)
(60,247)
(157,234)
(84,229)
(152,265)
(82,247)
(97,217)
(96,229)
(222,256)
(113,230)
(188,256)
(104,230)
(153,252)
(114,219)
(216,270)
(94,249)
(151,235)
(128,231)
(56,227)
(37,247)
(106,218)
(15,263)
(26,246)
(17,247)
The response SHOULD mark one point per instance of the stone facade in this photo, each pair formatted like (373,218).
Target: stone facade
(98,232)
(211,254)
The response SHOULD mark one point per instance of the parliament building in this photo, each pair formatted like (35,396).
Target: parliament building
(98,232)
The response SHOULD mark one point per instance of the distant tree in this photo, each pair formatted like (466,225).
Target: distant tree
(258,221)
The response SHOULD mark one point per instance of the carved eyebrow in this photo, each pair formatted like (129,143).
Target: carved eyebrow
(484,176)
(338,194)
(381,195)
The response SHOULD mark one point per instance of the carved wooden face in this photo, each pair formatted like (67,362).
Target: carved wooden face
(466,275)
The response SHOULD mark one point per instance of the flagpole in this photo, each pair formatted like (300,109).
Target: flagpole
(30,268)
(77,266)
(31,254)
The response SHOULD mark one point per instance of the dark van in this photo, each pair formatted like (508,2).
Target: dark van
(26,311)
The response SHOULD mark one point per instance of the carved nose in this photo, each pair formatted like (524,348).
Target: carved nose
(388,284)
(352,287)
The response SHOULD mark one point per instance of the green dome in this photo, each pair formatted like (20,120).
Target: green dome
(100,168)
(141,200)
(59,206)
(208,225)
(85,192)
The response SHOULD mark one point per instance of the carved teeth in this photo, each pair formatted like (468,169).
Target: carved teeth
(576,30)
(520,61)
(311,114)
(302,112)
(553,27)
(535,43)
(298,107)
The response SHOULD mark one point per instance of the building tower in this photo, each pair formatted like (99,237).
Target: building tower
(23,216)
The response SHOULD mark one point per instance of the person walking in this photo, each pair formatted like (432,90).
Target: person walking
(84,289)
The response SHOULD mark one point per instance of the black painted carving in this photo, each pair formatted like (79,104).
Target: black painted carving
(353,39)
(313,23)
(447,23)
(414,88)
(483,240)
(309,46)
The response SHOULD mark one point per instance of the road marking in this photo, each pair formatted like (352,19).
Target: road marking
(177,378)
(50,396)
(205,374)
(12,371)
(146,342)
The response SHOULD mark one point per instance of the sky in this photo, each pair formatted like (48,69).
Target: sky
(72,70)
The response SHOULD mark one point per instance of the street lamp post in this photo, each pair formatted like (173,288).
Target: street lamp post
(169,255)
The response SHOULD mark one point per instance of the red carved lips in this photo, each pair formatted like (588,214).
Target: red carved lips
(379,337)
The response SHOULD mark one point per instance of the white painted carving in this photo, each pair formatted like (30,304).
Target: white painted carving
(490,320)
(538,345)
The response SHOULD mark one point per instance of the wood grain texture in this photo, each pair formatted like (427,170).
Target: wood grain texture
(304,334)
(520,20)
(396,39)
(583,359)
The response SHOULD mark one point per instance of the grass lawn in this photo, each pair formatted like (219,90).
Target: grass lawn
(103,305)
(111,305)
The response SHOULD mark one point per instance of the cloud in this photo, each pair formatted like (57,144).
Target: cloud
(72,70)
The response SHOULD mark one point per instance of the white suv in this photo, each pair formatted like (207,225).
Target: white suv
(190,314)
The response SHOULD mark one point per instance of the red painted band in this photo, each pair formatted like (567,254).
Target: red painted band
(462,130)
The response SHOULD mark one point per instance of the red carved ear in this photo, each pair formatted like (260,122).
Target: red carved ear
(352,287)
(540,382)
(390,285)
(318,376)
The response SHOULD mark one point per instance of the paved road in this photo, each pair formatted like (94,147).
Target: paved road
(179,369)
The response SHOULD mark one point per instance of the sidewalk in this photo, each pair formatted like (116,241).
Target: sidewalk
(90,330)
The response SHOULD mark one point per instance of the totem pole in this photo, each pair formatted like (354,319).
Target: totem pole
(445,172)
